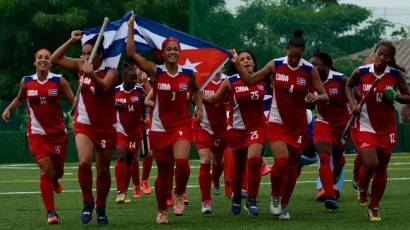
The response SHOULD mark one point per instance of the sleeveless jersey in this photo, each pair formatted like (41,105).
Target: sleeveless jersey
(44,108)
(129,110)
(172,95)
(378,114)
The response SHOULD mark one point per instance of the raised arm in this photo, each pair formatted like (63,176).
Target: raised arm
(149,100)
(251,79)
(104,84)
(72,64)
(219,94)
(66,90)
(5,116)
(321,96)
(142,63)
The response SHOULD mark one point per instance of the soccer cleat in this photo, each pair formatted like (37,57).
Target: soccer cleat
(206,207)
(52,217)
(137,192)
(216,190)
(87,213)
(284,214)
(330,203)
(275,207)
(146,189)
(170,201)
(179,205)
(236,204)
(373,214)
(186,201)
(320,195)
(162,217)
(120,197)
(57,186)
(126,199)
(362,197)
(251,207)
(101,216)
(264,169)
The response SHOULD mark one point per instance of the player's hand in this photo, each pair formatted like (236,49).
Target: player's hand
(312,97)
(354,108)
(88,68)
(390,94)
(197,115)
(76,35)
(5,117)
(143,77)
(234,58)
(130,21)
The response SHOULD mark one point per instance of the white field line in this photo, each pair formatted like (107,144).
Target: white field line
(189,186)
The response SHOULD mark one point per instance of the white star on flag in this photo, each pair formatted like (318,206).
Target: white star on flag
(189,65)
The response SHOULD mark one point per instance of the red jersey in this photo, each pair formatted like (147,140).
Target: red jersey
(213,115)
(44,107)
(335,112)
(172,95)
(129,110)
(247,104)
(290,87)
(95,107)
(378,113)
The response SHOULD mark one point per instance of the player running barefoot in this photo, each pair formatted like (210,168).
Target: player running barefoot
(210,140)
(287,122)
(329,124)
(47,135)
(375,129)
(246,131)
(171,131)
(94,122)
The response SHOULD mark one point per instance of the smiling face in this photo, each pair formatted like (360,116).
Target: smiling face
(42,60)
(170,52)
(246,61)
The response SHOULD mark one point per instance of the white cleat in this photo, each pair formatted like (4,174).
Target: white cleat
(275,207)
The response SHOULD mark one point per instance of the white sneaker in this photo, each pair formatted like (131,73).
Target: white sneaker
(275,207)
(284,215)
(120,197)
(126,199)
(206,207)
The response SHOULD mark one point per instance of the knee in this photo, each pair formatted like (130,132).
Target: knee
(83,163)
(206,160)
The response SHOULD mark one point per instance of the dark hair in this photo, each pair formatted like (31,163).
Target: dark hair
(127,69)
(92,41)
(393,53)
(325,58)
(232,69)
(297,40)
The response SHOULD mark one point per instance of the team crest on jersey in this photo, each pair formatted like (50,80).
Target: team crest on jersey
(52,92)
(134,98)
(183,87)
(32,93)
(301,81)
(333,91)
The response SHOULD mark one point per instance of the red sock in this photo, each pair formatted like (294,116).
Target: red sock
(338,165)
(46,188)
(85,179)
(103,187)
(135,173)
(364,178)
(254,177)
(378,187)
(239,171)
(228,172)
(217,169)
(356,165)
(290,179)
(326,175)
(171,179)
(146,168)
(205,181)
(162,183)
(182,172)
(277,173)
(120,175)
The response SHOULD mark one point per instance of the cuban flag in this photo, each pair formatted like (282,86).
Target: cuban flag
(202,57)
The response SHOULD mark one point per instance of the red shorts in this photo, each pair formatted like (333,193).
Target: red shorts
(323,132)
(204,140)
(132,144)
(41,146)
(238,139)
(277,132)
(163,140)
(385,141)
(103,137)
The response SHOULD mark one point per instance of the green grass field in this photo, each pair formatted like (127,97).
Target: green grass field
(21,206)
